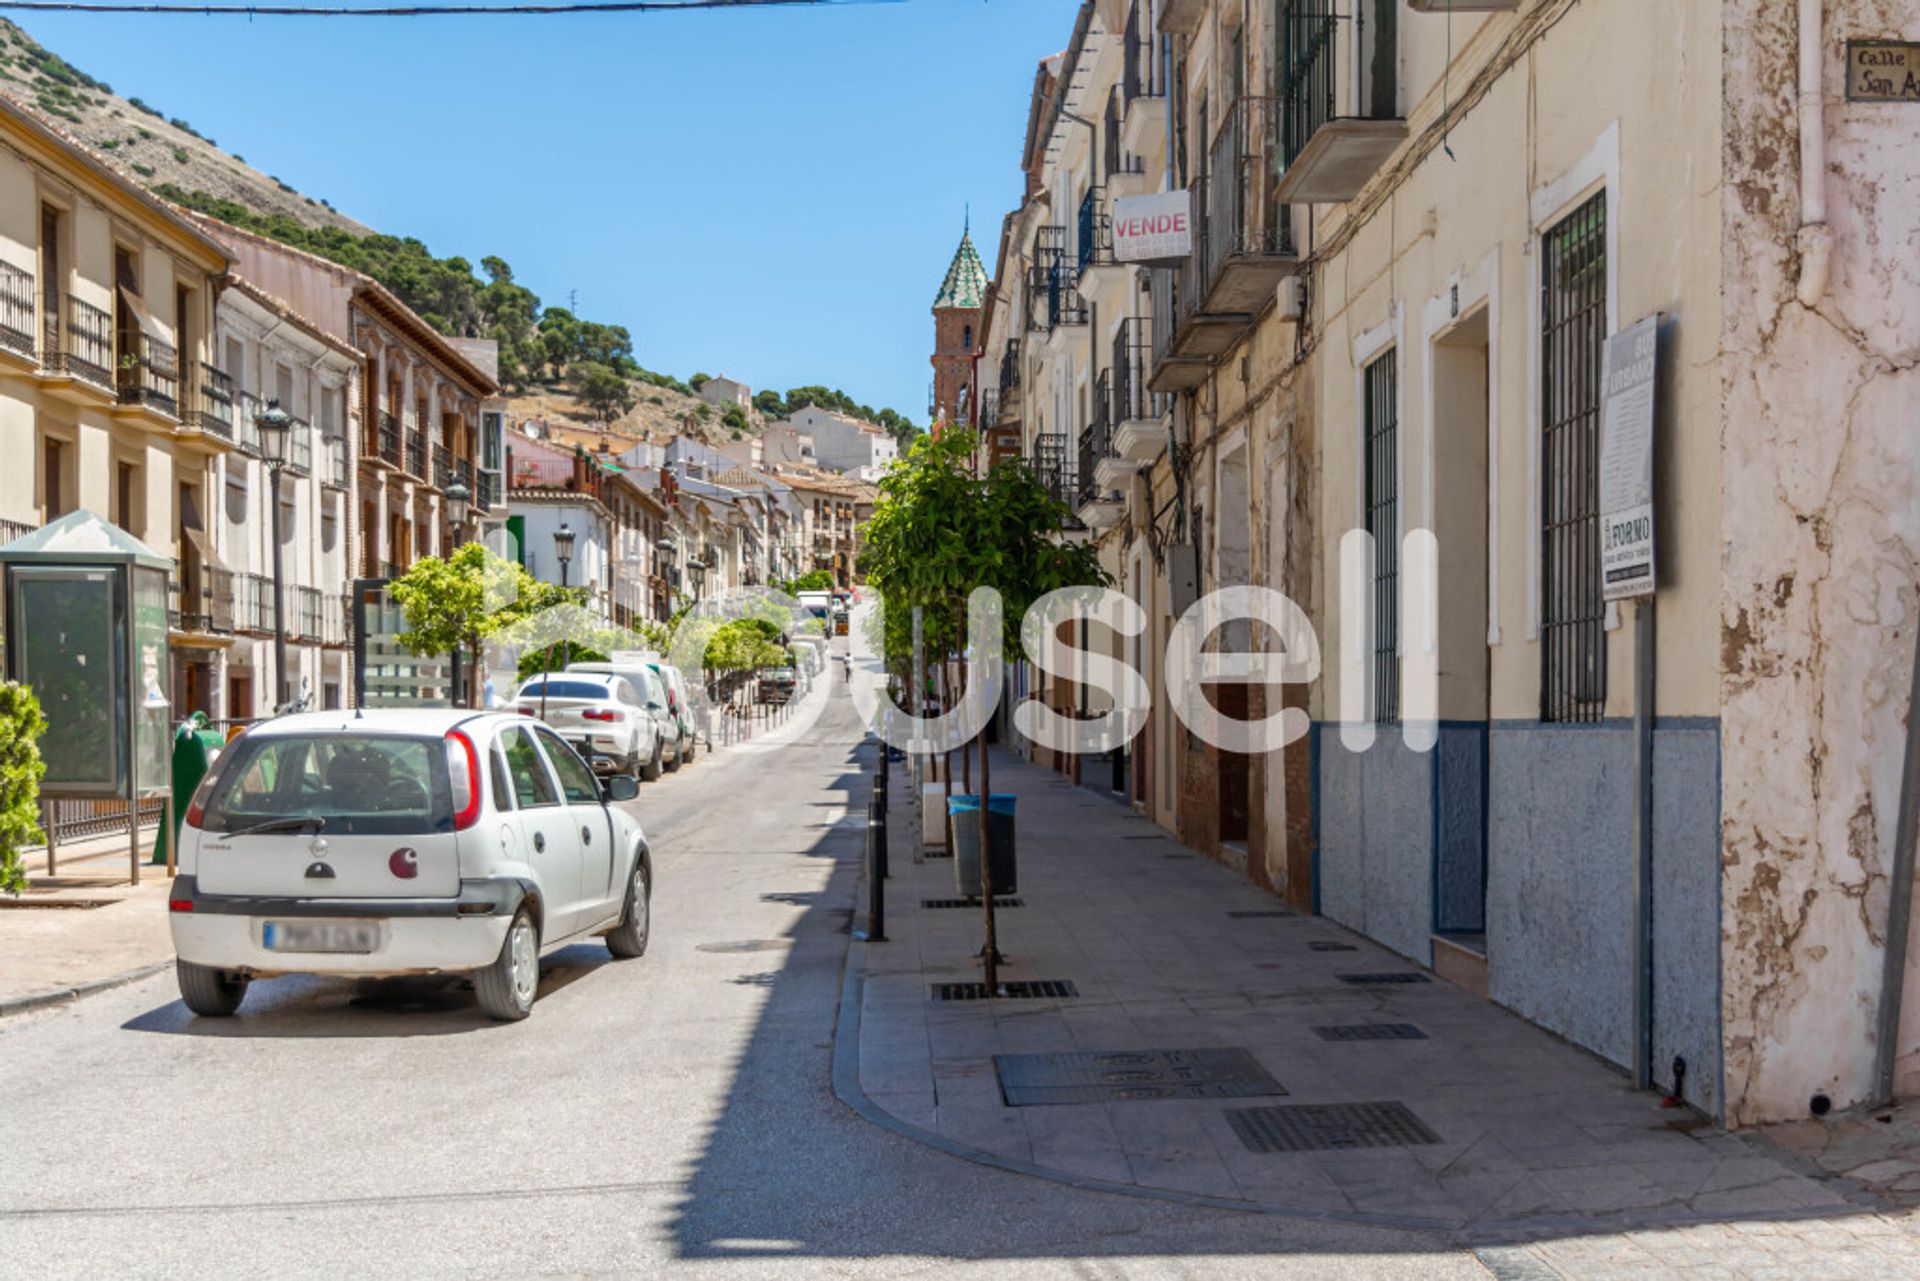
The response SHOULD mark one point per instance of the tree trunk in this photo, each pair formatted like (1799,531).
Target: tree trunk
(992,950)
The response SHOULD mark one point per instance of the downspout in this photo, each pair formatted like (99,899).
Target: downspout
(1815,239)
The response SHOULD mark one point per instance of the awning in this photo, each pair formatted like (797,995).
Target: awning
(138,307)
(195,531)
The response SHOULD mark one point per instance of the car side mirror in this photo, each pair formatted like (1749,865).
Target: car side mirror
(620,787)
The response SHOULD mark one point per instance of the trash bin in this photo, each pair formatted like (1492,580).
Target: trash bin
(194,747)
(965,812)
(933,815)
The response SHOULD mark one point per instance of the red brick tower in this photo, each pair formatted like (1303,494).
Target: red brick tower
(956,332)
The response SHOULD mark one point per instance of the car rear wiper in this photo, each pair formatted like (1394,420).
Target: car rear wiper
(309,824)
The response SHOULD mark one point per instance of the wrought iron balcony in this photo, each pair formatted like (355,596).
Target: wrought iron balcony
(1143,73)
(308,613)
(1250,243)
(82,346)
(210,406)
(416,461)
(1010,369)
(148,373)
(299,446)
(1095,231)
(442,466)
(16,309)
(201,602)
(1133,399)
(1096,442)
(1325,158)
(1054,467)
(1052,300)
(388,442)
(486,494)
(334,468)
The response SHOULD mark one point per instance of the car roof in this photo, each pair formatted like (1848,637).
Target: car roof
(423,721)
(570,673)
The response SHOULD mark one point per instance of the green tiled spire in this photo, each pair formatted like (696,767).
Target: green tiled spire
(966,282)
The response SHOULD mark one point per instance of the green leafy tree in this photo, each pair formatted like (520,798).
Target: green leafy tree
(458,602)
(735,418)
(21,768)
(555,657)
(603,391)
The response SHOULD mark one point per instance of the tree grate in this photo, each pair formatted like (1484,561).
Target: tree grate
(1260,914)
(1012,990)
(1410,976)
(998,903)
(1131,1076)
(1370,1032)
(1325,945)
(1324,1127)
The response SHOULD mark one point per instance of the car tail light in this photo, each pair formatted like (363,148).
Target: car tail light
(463,776)
(602,714)
(197,805)
(526,711)
(179,905)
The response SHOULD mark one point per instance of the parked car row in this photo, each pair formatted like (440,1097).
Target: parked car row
(633,717)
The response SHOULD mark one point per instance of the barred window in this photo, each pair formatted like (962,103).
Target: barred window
(1381,455)
(1573,317)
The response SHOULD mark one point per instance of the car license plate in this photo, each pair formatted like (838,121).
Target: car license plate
(320,936)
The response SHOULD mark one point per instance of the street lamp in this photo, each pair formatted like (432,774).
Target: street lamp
(459,500)
(563,552)
(274,425)
(563,549)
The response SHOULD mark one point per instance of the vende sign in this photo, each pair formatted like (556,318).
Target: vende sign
(1153,228)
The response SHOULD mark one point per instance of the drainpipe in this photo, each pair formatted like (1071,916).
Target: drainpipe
(1815,240)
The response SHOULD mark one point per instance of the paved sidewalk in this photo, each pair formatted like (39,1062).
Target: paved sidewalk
(1533,1141)
(85,927)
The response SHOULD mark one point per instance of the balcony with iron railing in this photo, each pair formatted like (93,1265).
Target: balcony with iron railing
(1250,246)
(1325,157)
(335,469)
(415,464)
(1093,238)
(16,310)
(1053,301)
(1010,371)
(442,466)
(77,341)
(201,602)
(387,446)
(1143,70)
(1139,412)
(1053,466)
(308,613)
(1096,442)
(209,406)
(299,446)
(147,373)
(487,494)
(1187,338)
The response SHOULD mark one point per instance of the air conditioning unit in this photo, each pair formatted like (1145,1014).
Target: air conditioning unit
(1290,298)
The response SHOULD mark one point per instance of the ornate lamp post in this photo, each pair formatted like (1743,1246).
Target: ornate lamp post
(563,552)
(459,502)
(274,425)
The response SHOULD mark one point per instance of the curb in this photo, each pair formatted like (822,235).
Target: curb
(60,996)
(846,1087)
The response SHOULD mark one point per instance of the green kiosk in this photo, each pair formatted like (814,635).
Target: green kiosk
(86,629)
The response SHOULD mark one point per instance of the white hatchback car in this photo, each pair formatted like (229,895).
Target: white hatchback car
(403,842)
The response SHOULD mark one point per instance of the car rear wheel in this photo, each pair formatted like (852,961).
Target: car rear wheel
(208,992)
(651,770)
(688,747)
(506,987)
(629,938)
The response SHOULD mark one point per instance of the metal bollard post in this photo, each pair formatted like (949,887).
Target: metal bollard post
(876,874)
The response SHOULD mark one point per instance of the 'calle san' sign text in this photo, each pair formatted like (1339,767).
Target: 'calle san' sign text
(1883,71)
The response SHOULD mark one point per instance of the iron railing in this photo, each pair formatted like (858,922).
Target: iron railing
(387,443)
(1142,73)
(16,309)
(1010,368)
(1054,467)
(149,374)
(336,619)
(1095,230)
(1096,439)
(202,602)
(308,611)
(333,462)
(1132,365)
(1308,30)
(82,347)
(486,494)
(299,446)
(253,603)
(1381,480)
(463,472)
(1052,299)
(210,408)
(1243,217)
(1573,312)
(416,463)
(442,466)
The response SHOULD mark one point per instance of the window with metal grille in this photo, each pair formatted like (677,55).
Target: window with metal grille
(1382,481)
(1573,317)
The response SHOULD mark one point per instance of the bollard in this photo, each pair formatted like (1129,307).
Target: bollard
(876,874)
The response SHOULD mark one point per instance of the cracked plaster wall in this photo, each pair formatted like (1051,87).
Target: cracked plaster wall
(1821,529)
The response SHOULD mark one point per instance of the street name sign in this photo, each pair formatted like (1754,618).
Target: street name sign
(1628,375)
(1155,228)
(1883,71)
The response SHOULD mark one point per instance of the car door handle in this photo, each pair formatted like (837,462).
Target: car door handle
(586,835)
(540,842)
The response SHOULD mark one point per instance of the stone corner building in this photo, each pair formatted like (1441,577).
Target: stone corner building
(1412,235)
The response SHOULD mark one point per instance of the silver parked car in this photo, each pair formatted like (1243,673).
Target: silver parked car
(601,715)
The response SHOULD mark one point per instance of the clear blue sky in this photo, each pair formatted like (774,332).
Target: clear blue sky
(768,193)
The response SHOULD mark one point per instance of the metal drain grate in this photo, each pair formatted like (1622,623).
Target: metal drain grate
(1324,945)
(1322,1127)
(1123,1076)
(1391,977)
(1260,914)
(937,852)
(969,902)
(1013,990)
(1370,1032)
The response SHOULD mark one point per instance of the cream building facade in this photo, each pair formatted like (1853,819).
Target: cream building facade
(1414,233)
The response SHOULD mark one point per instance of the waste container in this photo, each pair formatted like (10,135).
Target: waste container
(194,747)
(965,813)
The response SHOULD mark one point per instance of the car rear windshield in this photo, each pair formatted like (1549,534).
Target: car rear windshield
(564,689)
(360,784)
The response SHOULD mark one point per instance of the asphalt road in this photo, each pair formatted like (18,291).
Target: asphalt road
(665,1116)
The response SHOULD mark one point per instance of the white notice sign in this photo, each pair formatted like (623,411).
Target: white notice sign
(1153,228)
(1626,461)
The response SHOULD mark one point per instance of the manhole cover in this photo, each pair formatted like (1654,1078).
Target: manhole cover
(1016,990)
(745,945)
(1036,1080)
(1369,979)
(1322,1127)
(1323,945)
(1260,914)
(934,903)
(1371,1032)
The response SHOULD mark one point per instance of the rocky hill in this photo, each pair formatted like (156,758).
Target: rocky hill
(141,141)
